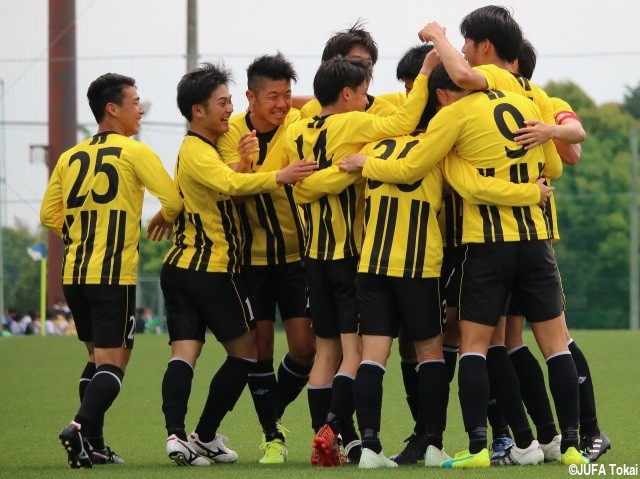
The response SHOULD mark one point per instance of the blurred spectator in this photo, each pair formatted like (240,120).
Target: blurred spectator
(60,307)
(140,324)
(152,325)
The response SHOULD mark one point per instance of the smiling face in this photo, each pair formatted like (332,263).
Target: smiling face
(272,102)
(214,114)
(129,113)
(356,100)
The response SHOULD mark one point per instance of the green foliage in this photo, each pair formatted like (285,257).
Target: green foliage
(632,101)
(151,255)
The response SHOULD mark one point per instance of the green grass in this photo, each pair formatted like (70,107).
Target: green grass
(38,396)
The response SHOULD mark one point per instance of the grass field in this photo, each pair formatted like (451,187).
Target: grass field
(38,396)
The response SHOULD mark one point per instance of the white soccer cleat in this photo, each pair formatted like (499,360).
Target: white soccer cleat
(215,450)
(434,457)
(182,454)
(515,456)
(551,451)
(371,460)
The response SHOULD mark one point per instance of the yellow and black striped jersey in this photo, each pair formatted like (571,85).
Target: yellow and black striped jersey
(207,232)
(450,217)
(334,222)
(94,201)
(478,128)
(377,106)
(271,223)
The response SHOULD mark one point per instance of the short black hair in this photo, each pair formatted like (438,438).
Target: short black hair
(411,62)
(270,68)
(439,79)
(497,25)
(196,87)
(338,73)
(342,42)
(527,59)
(107,88)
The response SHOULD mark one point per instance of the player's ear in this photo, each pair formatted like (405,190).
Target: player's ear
(442,96)
(346,93)
(112,109)
(197,111)
(251,97)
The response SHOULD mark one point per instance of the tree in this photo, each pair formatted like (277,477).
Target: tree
(632,101)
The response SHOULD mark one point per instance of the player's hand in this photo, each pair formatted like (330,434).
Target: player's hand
(248,147)
(545,191)
(158,226)
(431,60)
(353,162)
(430,31)
(296,171)
(534,134)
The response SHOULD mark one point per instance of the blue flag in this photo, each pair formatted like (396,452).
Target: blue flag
(37,252)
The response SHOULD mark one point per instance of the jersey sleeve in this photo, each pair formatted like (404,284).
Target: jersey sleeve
(397,99)
(440,138)
(227,146)
(491,74)
(562,110)
(52,208)
(310,109)
(209,170)
(364,127)
(552,161)
(155,178)
(481,190)
(329,181)
(279,154)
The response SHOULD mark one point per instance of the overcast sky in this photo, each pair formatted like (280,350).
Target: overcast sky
(589,42)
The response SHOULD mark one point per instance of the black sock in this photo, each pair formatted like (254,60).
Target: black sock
(292,377)
(534,392)
(410,380)
(504,384)
(450,354)
(367,394)
(563,382)
(342,405)
(224,391)
(588,417)
(434,398)
(319,401)
(99,395)
(176,389)
(473,391)
(93,433)
(264,390)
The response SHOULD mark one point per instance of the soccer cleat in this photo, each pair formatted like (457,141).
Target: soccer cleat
(353,451)
(315,460)
(105,456)
(373,460)
(573,456)
(215,450)
(327,448)
(595,446)
(514,456)
(182,454)
(77,447)
(413,452)
(275,452)
(551,451)
(500,446)
(434,457)
(466,460)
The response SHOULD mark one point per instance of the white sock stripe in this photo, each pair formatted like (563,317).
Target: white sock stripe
(373,363)
(473,354)
(561,353)
(570,341)
(409,360)
(326,386)
(431,361)
(84,380)
(183,360)
(261,375)
(493,346)
(291,372)
(109,372)
(345,375)
(517,348)
(254,361)
(450,349)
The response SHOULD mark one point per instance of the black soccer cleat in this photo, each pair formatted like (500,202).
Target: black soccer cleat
(595,446)
(105,456)
(353,451)
(77,447)
(413,452)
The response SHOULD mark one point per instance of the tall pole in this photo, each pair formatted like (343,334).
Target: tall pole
(62,112)
(3,197)
(192,34)
(634,261)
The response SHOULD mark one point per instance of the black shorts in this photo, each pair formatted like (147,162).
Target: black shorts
(332,296)
(491,272)
(195,300)
(386,302)
(103,314)
(514,308)
(282,285)
(450,274)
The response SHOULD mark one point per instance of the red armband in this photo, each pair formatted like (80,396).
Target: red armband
(563,115)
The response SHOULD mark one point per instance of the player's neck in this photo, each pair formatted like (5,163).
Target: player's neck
(107,125)
(260,124)
(337,107)
(204,132)
(500,63)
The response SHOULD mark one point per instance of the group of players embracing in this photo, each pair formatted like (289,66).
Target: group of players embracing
(426,216)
